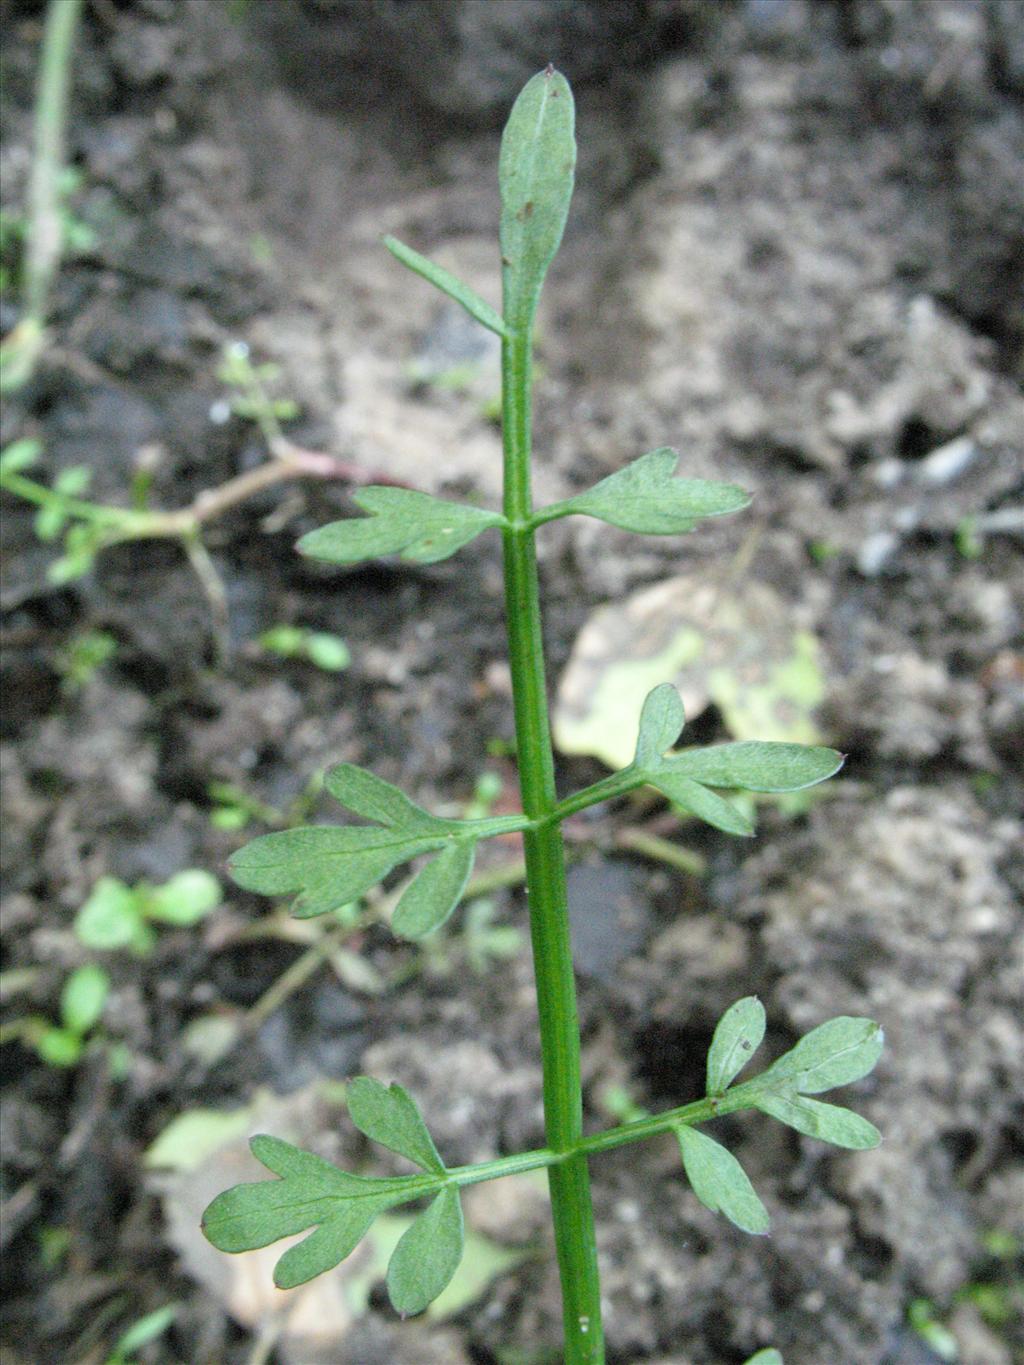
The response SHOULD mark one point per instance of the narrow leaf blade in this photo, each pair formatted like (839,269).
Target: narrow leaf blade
(389,1115)
(826,1122)
(720,1182)
(699,801)
(737,1037)
(535,172)
(661,723)
(448,284)
(759,766)
(365,794)
(335,1238)
(435,891)
(647,499)
(428,1254)
(835,1053)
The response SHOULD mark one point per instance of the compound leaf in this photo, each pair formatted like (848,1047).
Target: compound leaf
(401,521)
(759,767)
(329,865)
(737,1037)
(388,1115)
(310,1193)
(448,284)
(827,1122)
(365,794)
(645,497)
(535,173)
(835,1053)
(720,1182)
(434,892)
(428,1254)
(661,723)
(698,800)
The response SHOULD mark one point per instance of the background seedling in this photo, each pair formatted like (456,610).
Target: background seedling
(83,999)
(118,916)
(327,867)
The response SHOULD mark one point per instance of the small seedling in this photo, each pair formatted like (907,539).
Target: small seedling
(119,916)
(318,647)
(328,866)
(141,1333)
(82,657)
(249,395)
(83,999)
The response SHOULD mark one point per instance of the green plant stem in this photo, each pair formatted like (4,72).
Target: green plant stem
(44,244)
(569,1180)
(698,1111)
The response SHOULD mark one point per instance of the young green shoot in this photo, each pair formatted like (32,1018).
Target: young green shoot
(328,866)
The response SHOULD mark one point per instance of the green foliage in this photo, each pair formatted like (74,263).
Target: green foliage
(447,283)
(83,999)
(736,1039)
(82,657)
(331,865)
(414,525)
(340,1207)
(836,1053)
(388,1115)
(687,778)
(327,867)
(535,174)
(428,1254)
(317,647)
(921,1315)
(645,498)
(147,1329)
(720,1182)
(249,384)
(19,456)
(118,916)
(78,237)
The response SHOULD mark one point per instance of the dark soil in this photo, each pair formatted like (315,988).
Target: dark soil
(795,254)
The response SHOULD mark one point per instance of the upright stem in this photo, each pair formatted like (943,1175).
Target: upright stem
(569,1180)
(44,243)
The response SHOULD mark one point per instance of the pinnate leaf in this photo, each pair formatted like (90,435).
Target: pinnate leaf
(388,1115)
(401,521)
(827,1122)
(759,767)
(835,1053)
(687,778)
(720,1182)
(428,1254)
(310,1193)
(646,498)
(535,173)
(737,1037)
(448,284)
(434,892)
(328,865)
(661,723)
(332,865)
